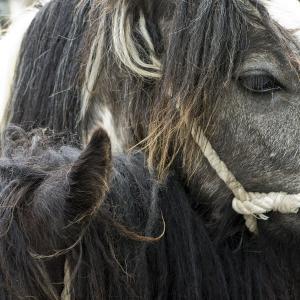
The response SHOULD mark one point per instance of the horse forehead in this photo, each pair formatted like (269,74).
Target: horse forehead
(286,13)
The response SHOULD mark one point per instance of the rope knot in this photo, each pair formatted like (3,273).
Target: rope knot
(261,203)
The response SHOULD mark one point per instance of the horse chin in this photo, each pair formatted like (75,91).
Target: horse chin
(283,228)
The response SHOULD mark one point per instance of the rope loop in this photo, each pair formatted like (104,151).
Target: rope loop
(252,206)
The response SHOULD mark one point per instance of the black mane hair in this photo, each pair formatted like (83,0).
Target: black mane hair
(53,52)
(116,254)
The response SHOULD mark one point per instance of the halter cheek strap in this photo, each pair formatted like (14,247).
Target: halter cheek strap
(252,206)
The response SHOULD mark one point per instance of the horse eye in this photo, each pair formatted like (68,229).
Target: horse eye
(261,83)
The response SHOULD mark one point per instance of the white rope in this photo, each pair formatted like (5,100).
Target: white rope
(252,206)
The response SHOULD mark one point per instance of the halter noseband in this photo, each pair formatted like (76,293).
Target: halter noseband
(252,206)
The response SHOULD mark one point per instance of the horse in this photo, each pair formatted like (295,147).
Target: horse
(83,224)
(208,91)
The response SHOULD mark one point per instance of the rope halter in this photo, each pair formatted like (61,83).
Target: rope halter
(252,206)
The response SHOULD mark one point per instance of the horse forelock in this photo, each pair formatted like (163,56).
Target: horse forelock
(207,44)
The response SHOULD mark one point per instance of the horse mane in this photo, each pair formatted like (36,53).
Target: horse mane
(57,61)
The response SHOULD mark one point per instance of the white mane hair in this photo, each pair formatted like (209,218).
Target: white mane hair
(10,45)
(128,57)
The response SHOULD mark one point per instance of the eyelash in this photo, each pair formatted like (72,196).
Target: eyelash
(262,83)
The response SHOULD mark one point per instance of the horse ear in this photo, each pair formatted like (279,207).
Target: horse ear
(89,177)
